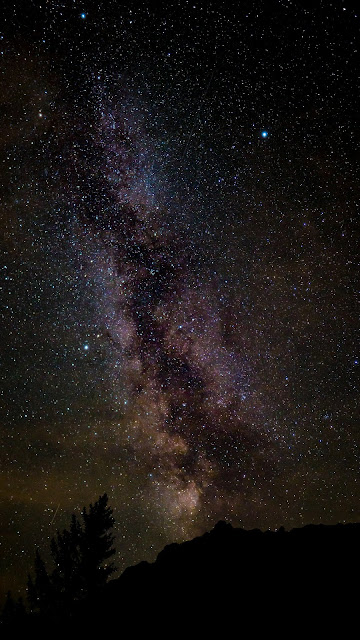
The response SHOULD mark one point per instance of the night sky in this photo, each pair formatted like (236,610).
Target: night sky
(179,269)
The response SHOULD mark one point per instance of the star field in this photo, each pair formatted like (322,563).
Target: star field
(179,242)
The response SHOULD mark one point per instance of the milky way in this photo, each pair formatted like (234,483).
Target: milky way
(179,241)
(182,391)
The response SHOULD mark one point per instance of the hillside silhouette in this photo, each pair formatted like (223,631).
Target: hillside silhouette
(233,579)
(229,580)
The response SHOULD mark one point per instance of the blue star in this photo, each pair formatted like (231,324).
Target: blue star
(264,134)
(83,16)
(86,347)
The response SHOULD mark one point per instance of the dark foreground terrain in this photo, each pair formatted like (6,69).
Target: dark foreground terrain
(302,583)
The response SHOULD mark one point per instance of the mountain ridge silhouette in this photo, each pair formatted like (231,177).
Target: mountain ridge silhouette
(302,572)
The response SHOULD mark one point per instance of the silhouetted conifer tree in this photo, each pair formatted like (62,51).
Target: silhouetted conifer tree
(96,545)
(9,610)
(81,558)
(65,551)
(13,614)
(40,590)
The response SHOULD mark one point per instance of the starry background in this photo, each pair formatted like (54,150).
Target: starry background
(179,228)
